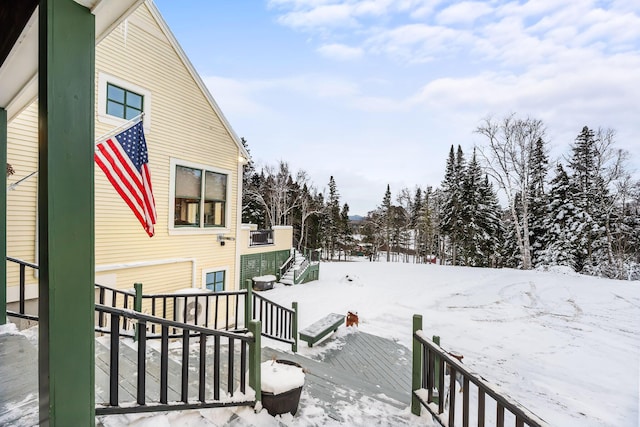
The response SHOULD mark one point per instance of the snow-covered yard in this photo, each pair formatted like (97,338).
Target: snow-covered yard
(566,346)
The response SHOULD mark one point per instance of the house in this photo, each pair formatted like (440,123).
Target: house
(195,162)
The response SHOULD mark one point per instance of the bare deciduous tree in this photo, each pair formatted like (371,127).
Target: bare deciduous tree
(507,159)
(278,194)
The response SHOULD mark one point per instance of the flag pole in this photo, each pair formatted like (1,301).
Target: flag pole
(15,184)
(120,128)
(101,138)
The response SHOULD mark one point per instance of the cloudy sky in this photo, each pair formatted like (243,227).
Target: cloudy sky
(374,92)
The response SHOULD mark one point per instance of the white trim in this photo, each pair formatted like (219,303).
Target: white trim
(226,269)
(103,117)
(173,230)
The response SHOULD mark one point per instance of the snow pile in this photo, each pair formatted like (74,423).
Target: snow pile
(280,377)
(265,278)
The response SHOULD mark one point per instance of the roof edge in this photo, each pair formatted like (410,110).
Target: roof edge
(155,12)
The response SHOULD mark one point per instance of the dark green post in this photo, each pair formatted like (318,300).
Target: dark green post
(3,215)
(255,358)
(436,369)
(248,304)
(66,105)
(416,371)
(137,304)
(294,327)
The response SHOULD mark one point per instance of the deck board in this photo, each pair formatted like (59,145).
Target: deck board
(362,365)
(19,376)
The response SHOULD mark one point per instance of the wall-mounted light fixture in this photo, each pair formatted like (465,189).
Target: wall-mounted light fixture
(222,239)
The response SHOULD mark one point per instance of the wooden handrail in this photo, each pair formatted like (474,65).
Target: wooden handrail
(431,363)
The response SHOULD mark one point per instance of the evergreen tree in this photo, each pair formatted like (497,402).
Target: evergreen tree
(345,230)
(252,211)
(491,224)
(563,223)
(416,213)
(471,240)
(587,182)
(386,212)
(481,227)
(538,200)
(333,218)
(452,209)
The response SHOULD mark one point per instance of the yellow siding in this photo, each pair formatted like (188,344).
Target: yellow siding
(183,126)
(22,154)
(282,239)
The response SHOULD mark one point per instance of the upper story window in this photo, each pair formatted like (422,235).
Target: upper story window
(120,100)
(123,103)
(200,197)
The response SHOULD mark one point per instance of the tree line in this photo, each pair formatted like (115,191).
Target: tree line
(580,211)
(277,196)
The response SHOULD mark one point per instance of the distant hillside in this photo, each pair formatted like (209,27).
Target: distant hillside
(356,217)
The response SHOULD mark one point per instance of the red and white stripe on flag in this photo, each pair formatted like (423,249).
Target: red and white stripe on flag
(124,160)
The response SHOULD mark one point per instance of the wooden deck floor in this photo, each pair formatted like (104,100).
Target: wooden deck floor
(18,381)
(364,365)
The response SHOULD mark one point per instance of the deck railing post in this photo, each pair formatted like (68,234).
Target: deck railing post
(416,371)
(255,347)
(248,304)
(294,327)
(137,305)
(436,371)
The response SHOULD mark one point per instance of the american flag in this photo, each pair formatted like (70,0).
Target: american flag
(124,160)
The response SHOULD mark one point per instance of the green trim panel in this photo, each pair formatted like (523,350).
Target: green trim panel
(260,264)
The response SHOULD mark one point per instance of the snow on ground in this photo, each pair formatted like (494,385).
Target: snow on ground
(566,346)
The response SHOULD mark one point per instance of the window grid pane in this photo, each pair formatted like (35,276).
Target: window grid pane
(115,109)
(215,281)
(123,103)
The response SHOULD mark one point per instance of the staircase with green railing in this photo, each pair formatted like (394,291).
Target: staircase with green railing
(300,268)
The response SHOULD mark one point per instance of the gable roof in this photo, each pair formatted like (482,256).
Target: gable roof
(194,74)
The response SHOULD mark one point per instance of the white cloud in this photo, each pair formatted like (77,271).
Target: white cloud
(323,16)
(340,52)
(415,43)
(234,95)
(463,13)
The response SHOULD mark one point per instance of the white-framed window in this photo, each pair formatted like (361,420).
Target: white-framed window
(199,199)
(215,279)
(120,101)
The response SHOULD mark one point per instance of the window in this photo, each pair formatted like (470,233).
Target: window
(123,103)
(120,100)
(199,202)
(214,280)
